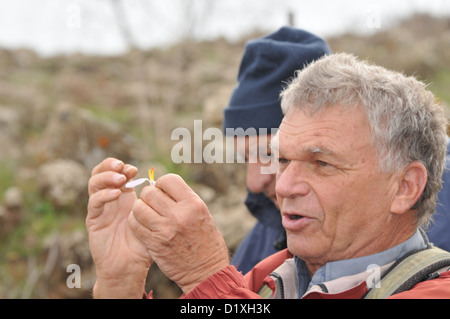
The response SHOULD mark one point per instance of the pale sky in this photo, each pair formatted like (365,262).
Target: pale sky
(90,26)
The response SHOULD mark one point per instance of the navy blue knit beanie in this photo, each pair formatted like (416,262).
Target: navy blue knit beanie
(267,64)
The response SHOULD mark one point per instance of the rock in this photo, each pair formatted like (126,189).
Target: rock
(64,182)
(65,253)
(13,198)
(80,135)
(11,211)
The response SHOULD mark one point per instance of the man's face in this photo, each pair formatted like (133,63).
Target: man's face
(256,151)
(333,199)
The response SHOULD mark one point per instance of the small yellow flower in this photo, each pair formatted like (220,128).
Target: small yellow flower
(151,175)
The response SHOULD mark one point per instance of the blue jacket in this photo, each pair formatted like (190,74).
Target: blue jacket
(439,230)
(266,237)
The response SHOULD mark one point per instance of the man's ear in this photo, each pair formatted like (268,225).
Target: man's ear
(412,184)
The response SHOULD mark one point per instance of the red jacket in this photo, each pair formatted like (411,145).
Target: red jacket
(229,283)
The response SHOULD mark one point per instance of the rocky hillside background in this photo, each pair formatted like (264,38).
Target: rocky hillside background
(60,116)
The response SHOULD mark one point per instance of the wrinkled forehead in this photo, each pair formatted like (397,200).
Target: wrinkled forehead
(338,128)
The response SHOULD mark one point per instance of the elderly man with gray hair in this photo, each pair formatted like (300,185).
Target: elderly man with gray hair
(360,155)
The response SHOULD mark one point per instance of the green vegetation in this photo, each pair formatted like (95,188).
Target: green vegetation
(440,84)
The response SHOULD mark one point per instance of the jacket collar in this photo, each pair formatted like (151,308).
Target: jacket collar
(344,274)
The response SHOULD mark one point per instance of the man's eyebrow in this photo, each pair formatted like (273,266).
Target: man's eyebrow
(275,148)
(317,150)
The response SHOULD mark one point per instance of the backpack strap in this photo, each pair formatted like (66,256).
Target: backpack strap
(404,274)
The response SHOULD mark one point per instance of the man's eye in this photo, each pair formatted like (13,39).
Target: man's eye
(283,161)
(322,163)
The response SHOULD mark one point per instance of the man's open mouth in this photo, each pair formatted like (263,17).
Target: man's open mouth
(294,221)
(294,216)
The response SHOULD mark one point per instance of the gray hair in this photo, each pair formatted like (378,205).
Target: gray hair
(407,123)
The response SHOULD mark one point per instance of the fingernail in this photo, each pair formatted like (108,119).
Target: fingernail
(119,178)
(129,169)
(114,192)
(116,164)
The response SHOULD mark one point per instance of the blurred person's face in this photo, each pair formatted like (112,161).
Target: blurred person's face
(334,201)
(257,154)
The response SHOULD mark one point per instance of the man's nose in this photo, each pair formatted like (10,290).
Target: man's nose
(290,182)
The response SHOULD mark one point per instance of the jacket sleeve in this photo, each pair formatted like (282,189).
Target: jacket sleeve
(225,284)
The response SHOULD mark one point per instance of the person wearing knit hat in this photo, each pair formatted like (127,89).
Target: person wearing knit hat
(267,64)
